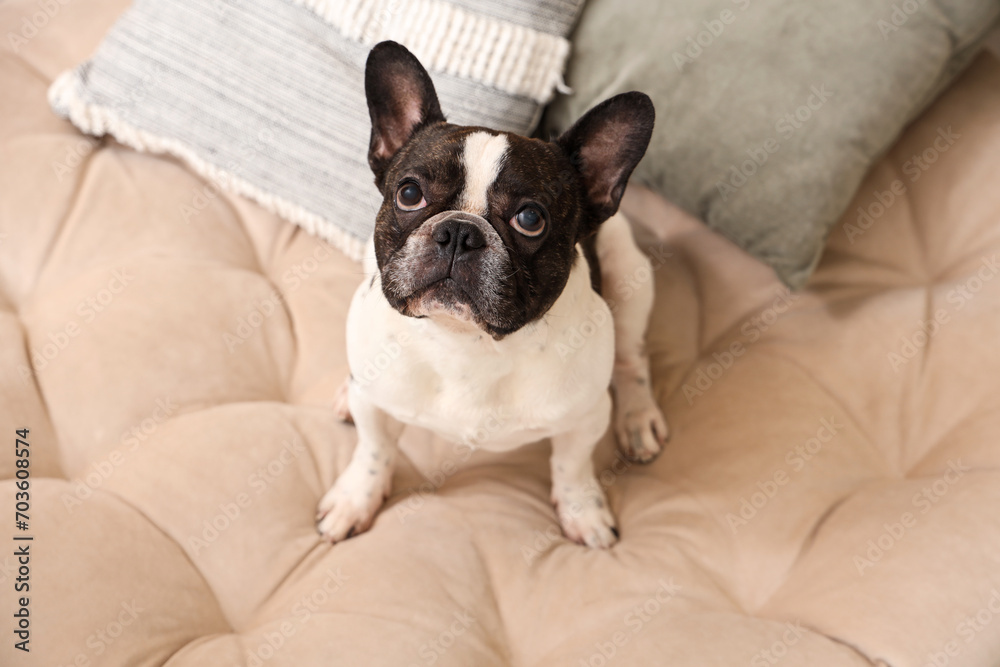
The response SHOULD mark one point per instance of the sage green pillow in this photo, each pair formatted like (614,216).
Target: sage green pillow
(769,112)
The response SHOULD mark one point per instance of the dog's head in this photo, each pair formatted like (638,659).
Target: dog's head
(480,225)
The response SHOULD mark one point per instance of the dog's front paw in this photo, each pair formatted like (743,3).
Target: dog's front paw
(585,516)
(349,507)
(640,427)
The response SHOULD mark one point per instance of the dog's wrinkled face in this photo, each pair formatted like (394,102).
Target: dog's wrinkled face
(479,225)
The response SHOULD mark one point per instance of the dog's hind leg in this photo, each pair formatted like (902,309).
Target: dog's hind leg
(627,285)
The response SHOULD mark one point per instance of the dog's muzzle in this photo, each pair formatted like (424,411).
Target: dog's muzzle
(454,261)
(458,233)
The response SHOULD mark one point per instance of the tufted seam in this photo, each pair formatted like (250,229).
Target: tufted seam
(946,278)
(504,640)
(263,270)
(202,639)
(241,641)
(855,421)
(24,62)
(688,551)
(75,199)
(853,647)
(911,392)
(810,539)
(194,566)
(41,394)
(917,226)
(728,334)
(296,345)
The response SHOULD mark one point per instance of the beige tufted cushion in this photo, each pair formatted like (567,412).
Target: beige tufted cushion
(181,441)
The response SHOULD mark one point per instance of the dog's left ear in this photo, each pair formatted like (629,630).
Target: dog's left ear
(401,100)
(606,144)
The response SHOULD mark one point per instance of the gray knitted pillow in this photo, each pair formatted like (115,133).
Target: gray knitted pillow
(266,97)
(769,112)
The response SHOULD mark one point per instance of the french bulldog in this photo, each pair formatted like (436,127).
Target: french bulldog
(484,275)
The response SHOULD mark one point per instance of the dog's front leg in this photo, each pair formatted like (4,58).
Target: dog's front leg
(350,506)
(579,499)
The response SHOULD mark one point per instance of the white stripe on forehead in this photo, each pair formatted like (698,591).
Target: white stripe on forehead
(482,158)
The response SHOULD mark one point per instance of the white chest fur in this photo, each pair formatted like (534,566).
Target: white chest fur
(454,379)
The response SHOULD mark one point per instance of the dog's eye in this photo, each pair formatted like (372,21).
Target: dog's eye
(409,197)
(528,221)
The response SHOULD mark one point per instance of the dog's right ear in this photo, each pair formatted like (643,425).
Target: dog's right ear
(606,144)
(401,100)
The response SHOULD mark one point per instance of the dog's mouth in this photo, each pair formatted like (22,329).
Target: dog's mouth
(449,302)
(442,296)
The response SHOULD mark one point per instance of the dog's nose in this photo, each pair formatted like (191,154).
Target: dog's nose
(456,237)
